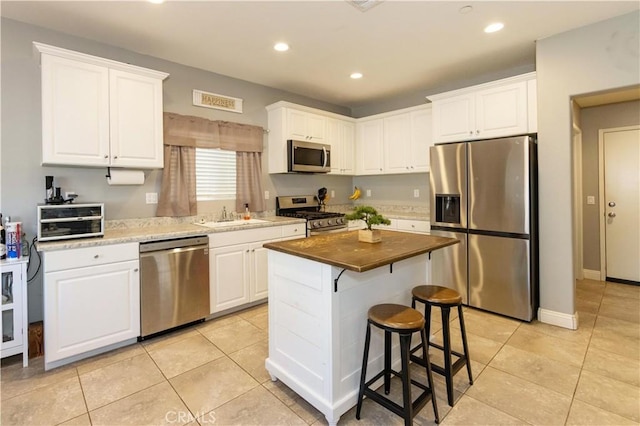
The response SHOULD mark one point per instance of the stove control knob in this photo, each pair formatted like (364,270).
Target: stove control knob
(330,222)
(340,221)
(316,224)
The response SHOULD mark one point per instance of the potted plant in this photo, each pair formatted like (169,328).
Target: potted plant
(370,217)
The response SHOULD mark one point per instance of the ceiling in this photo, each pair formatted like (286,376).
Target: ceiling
(400,46)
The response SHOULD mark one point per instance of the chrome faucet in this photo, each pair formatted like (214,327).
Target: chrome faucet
(224,214)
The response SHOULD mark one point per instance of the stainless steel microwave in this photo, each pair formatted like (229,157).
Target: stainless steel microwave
(66,221)
(308,157)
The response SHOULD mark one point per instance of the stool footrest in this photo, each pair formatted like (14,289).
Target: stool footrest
(437,346)
(417,405)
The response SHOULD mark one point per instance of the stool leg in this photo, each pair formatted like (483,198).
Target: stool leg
(405,341)
(447,354)
(387,362)
(425,354)
(427,320)
(363,373)
(464,343)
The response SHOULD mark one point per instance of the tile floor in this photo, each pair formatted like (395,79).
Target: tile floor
(213,373)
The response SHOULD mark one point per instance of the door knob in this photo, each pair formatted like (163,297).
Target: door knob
(612,204)
(611,214)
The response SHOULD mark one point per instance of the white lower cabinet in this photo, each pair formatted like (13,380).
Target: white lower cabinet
(229,277)
(238,264)
(91,301)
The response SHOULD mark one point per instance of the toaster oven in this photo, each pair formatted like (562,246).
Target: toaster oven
(67,221)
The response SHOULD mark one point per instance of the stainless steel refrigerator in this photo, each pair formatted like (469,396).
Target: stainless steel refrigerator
(484,193)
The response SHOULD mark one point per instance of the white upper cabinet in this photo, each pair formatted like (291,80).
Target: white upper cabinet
(496,109)
(421,140)
(407,138)
(135,120)
(290,121)
(388,143)
(397,140)
(305,126)
(369,147)
(97,112)
(341,137)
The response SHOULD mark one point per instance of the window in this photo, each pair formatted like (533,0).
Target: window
(215,174)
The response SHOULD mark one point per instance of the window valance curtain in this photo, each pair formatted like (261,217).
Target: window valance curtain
(198,132)
(182,134)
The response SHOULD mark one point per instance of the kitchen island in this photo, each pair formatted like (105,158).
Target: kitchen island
(320,290)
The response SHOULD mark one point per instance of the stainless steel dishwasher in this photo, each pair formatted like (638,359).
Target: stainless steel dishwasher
(174,283)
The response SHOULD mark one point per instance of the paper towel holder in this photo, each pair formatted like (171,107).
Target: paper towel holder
(118,179)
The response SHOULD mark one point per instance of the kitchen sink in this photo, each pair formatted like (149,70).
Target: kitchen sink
(229,223)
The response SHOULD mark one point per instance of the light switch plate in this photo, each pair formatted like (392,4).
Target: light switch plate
(152,198)
(368,193)
(333,194)
(416,193)
(266,195)
(591,199)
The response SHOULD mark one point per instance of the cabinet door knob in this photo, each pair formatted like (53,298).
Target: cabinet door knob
(135,270)
(95,256)
(115,157)
(106,156)
(477,132)
(471,132)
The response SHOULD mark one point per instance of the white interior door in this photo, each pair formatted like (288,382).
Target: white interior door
(621,153)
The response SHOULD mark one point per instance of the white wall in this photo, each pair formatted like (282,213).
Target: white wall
(598,57)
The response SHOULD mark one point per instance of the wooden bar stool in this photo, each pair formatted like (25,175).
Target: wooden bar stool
(444,298)
(405,321)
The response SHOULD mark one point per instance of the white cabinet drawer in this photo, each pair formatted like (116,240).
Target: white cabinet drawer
(413,225)
(89,256)
(296,230)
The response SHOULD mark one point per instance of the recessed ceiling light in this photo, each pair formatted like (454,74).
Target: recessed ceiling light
(281,47)
(492,28)
(356,75)
(466,9)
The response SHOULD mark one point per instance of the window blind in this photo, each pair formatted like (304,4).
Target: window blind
(215,174)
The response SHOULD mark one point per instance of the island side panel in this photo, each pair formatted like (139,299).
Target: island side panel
(299,326)
(316,335)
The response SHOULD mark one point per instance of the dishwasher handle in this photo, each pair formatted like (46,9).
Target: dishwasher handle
(194,242)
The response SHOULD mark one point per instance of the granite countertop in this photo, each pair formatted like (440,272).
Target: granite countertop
(150,232)
(345,251)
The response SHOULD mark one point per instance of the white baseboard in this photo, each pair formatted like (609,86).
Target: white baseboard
(590,274)
(559,319)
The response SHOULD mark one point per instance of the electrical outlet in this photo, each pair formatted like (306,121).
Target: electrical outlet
(152,198)
(416,193)
(368,193)
(266,195)
(333,194)
(591,199)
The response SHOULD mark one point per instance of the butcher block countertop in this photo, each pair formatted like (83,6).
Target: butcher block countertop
(345,251)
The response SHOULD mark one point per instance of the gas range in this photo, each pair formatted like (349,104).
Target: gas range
(307,207)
